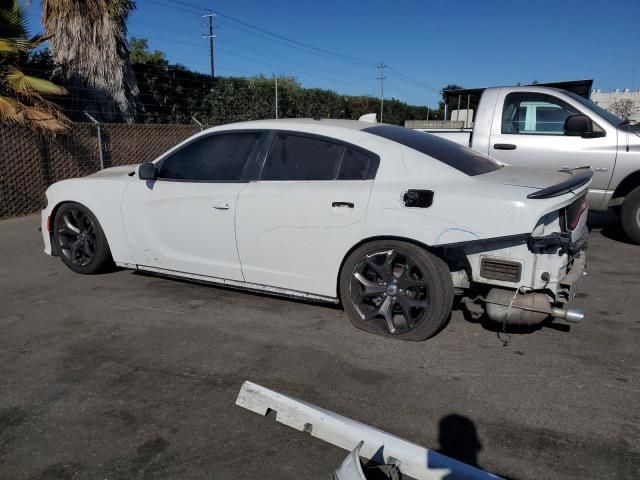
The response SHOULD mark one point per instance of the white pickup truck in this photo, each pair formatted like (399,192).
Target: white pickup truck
(542,127)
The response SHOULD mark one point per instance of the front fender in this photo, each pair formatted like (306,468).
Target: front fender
(103,196)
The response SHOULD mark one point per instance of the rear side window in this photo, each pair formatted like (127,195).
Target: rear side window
(215,158)
(295,157)
(461,158)
(355,166)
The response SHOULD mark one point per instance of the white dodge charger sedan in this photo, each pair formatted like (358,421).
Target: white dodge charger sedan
(390,222)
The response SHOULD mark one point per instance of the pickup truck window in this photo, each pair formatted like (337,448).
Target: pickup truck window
(535,113)
(457,156)
(607,115)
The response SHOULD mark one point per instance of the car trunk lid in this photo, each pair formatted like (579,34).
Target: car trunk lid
(525,177)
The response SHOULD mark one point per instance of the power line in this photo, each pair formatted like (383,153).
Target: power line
(292,43)
(308,47)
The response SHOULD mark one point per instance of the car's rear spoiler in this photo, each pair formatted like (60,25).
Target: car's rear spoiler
(571,183)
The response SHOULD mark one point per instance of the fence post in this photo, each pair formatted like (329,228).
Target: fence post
(197,122)
(97,124)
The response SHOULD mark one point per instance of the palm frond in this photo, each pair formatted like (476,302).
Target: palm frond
(26,84)
(14,45)
(7,46)
(44,120)
(10,111)
(13,23)
(37,40)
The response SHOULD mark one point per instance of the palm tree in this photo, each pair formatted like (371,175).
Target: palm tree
(90,48)
(22,100)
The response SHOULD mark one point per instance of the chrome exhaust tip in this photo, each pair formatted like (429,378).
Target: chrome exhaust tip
(572,315)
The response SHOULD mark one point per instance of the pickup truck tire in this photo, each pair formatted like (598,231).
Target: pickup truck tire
(396,289)
(630,215)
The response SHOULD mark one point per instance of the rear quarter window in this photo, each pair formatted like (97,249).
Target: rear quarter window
(461,158)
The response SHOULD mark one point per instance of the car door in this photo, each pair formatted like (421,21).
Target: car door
(184,221)
(296,223)
(530,133)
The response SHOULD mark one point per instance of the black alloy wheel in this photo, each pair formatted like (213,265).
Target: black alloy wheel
(399,290)
(79,239)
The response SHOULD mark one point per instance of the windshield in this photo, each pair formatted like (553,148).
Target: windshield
(606,114)
(457,156)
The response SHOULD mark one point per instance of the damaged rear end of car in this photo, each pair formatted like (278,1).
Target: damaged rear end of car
(528,278)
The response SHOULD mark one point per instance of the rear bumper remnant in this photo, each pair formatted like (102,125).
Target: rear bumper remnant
(411,459)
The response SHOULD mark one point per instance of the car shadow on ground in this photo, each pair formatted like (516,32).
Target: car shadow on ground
(239,290)
(608,224)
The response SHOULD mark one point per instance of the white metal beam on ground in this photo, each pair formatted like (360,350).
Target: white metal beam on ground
(413,460)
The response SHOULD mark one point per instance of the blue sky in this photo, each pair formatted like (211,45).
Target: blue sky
(427,43)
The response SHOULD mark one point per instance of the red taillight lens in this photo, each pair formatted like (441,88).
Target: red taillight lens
(575,211)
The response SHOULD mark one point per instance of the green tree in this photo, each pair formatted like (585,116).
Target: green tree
(91,51)
(22,97)
(452,103)
(139,52)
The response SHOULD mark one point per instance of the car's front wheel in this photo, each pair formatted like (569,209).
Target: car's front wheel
(79,239)
(396,289)
(630,215)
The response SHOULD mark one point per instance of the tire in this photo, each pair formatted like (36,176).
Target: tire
(80,240)
(397,290)
(630,215)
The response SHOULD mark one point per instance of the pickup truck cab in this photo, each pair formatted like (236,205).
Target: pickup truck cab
(549,128)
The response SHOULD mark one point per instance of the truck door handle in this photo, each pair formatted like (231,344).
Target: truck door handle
(342,204)
(221,206)
(504,146)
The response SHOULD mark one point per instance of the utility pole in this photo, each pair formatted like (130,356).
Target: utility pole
(381,78)
(210,16)
(276,96)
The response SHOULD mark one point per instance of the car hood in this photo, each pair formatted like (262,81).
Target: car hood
(525,177)
(115,171)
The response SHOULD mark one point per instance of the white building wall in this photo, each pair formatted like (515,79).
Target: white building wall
(604,98)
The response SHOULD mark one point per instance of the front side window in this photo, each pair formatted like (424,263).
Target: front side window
(295,157)
(535,113)
(215,158)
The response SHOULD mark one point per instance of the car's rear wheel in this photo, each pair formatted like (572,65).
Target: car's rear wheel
(630,215)
(79,239)
(396,289)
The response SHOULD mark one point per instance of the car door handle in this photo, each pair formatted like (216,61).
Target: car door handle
(342,204)
(504,146)
(222,206)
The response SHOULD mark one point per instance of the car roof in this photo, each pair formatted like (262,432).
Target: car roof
(285,123)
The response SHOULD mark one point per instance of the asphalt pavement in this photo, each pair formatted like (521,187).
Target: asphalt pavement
(124,375)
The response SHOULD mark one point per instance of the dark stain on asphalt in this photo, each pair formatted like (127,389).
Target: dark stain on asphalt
(124,417)
(148,453)
(61,471)
(518,352)
(582,295)
(617,454)
(11,417)
(603,312)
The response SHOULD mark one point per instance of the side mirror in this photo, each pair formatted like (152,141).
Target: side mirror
(147,171)
(580,126)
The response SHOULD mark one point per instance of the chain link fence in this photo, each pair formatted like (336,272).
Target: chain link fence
(30,161)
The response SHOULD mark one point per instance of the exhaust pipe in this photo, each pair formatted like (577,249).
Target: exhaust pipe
(525,308)
(570,315)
